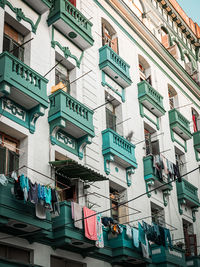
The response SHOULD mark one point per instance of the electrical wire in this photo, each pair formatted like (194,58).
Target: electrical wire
(141,195)
(120,204)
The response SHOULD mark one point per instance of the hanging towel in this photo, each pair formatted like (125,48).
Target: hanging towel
(145,249)
(40,211)
(90,224)
(24,183)
(142,238)
(77,215)
(135,237)
(3,180)
(168,240)
(100,242)
(128,232)
(165,165)
(33,192)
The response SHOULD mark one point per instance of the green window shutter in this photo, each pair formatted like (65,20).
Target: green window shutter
(110,120)
(2,160)
(13,161)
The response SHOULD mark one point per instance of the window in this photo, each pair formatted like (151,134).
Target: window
(9,154)
(195,120)
(61,79)
(190,239)
(110,116)
(120,213)
(70,193)
(157,215)
(144,70)
(180,161)
(73,2)
(61,262)
(16,254)
(109,36)
(11,41)
(152,146)
(173,98)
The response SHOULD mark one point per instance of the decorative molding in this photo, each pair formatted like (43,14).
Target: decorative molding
(175,140)
(166,193)
(149,183)
(107,159)
(129,172)
(104,83)
(26,118)
(142,114)
(20,15)
(67,53)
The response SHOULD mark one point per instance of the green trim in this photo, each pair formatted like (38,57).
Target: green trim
(175,140)
(179,47)
(104,83)
(63,11)
(66,50)
(48,3)
(28,117)
(196,141)
(142,114)
(20,15)
(157,54)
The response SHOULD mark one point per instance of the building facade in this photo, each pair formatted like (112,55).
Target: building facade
(91,92)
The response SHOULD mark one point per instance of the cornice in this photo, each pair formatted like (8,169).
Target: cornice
(160,51)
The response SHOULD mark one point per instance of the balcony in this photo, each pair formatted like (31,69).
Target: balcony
(40,6)
(152,178)
(18,217)
(22,91)
(150,98)
(113,65)
(123,250)
(117,148)
(72,23)
(179,124)
(193,261)
(196,140)
(65,235)
(167,257)
(187,193)
(71,123)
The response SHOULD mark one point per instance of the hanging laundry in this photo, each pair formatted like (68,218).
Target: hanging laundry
(90,223)
(19,194)
(24,183)
(14,175)
(171,169)
(107,221)
(47,193)
(3,180)
(158,165)
(77,215)
(55,203)
(142,238)
(100,241)
(168,240)
(128,232)
(165,165)
(40,211)
(177,173)
(135,232)
(145,249)
(33,193)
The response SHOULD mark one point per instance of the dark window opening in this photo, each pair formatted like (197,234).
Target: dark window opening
(11,42)
(56,261)
(111,119)
(16,254)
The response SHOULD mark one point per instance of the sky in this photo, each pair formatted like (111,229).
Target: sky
(191,8)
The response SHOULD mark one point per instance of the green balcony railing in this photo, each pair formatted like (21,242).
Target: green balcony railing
(149,97)
(196,139)
(151,173)
(115,144)
(18,217)
(65,106)
(78,27)
(179,124)
(111,63)
(14,73)
(166,257)
(189,192)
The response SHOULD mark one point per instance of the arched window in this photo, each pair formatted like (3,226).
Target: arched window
(195,120)
(173,97)
(165,40)
(109,36)
(176,51)
(144,69)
